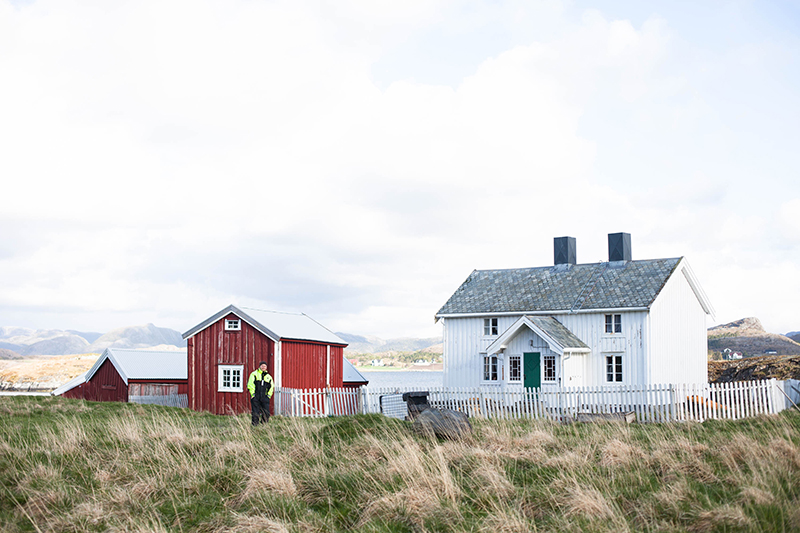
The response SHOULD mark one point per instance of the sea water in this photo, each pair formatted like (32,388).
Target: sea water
(404,379)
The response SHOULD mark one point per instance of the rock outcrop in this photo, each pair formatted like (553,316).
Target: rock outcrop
(754,368)
(443,423)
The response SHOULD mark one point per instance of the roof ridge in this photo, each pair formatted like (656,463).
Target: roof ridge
(597,263)
(276,312)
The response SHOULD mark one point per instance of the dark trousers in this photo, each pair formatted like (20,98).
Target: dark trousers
(260,408)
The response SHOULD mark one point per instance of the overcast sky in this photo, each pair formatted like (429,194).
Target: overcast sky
(356,160)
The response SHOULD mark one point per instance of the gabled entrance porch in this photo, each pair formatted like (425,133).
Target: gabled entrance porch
(534,350)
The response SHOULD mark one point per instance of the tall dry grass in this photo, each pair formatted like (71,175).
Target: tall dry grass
(69,466)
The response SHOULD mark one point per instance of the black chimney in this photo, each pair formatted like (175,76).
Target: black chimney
(619,247)
(564,250)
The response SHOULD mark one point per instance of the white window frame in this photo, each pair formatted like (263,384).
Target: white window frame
(514,361)
(612,324)
(233,324)
(491,369)
(231,387)
(491,327)
(549,361)
(615,370)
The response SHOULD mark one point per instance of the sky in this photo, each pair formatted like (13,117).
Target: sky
(357,160)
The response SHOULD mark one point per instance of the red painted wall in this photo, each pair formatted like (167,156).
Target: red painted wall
(105,386)
(214,346)
(304,364)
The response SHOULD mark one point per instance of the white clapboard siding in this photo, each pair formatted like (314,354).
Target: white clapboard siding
(464,345)
(677,343)
(650,403)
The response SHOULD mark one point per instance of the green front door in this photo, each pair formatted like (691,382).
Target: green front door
(532,369)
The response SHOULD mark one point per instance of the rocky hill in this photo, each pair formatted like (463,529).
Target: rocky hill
(8,354)
(748,336)
(755,368)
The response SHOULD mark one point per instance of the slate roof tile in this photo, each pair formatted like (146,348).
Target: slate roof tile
(562,287)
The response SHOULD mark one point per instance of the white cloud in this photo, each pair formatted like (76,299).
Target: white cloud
(789,220)
(178,157)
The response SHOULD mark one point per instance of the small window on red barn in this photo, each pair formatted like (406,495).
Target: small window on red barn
(233,324)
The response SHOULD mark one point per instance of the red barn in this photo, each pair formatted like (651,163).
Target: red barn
(144,376)
(224,349)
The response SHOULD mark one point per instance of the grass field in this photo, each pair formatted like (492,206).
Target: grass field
(69,465)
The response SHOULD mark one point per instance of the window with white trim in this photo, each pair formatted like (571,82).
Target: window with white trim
(613,368)
(515,368)
(490,327)
(613,323)
(490,368)
(549,368)
(229,378)
(233,324)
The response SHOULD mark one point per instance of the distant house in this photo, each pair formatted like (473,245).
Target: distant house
(376,362)
(227,346)
(728,354)
(621,322)
(118,375)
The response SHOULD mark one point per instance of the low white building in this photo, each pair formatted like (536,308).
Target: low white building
(621,322)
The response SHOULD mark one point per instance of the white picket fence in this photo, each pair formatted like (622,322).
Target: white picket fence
(318,402)
(652,403)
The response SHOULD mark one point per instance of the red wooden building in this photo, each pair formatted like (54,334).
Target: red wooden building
(119,375)
(225,348)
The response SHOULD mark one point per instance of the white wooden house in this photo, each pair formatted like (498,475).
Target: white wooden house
(620,322)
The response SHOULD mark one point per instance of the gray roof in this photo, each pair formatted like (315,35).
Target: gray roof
(558,332)
(275,325)
(136,364)
(558,337)
(351,375)
(71,384)
(145,364)
(621,284)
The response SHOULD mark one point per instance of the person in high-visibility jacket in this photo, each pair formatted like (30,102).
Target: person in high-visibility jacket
(261,388)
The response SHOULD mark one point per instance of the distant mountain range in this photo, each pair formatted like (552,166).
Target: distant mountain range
(16,342)
(746,335)
(371,344)
(26,341)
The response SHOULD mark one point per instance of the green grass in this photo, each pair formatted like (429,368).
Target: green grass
(69,466)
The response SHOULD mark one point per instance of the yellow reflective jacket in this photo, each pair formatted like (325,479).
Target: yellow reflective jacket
(260,382)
